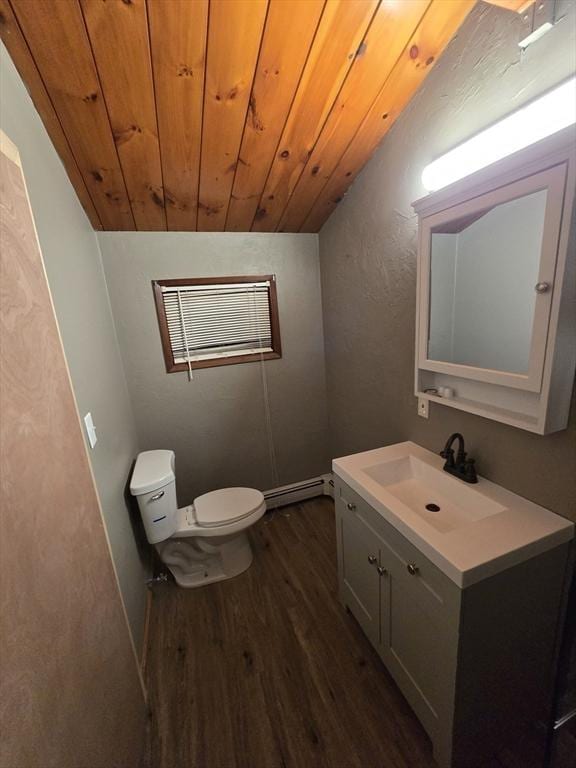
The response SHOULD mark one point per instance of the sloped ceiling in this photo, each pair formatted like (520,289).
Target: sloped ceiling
(213,115)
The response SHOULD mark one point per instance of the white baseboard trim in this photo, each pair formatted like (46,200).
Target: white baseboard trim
(295,492)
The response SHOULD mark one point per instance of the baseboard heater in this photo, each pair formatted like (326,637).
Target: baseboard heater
(295,492)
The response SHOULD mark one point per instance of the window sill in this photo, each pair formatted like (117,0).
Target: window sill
(216,362)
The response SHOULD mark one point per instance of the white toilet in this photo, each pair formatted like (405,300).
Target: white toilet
(204,542)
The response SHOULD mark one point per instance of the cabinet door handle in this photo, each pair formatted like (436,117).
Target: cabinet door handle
(412,569)
(351,506)
(382,571)
(372,559)
(542,287)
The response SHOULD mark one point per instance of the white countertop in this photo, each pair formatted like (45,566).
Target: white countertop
(473,551)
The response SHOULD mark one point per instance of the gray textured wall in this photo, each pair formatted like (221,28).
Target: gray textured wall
(216,424)
(72,259)
(368,262)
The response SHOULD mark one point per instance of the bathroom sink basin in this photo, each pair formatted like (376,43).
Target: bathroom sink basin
(431,494)
(468,531)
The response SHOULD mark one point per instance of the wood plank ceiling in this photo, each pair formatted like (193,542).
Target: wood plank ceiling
(213,115)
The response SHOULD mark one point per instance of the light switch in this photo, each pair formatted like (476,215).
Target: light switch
(90,430)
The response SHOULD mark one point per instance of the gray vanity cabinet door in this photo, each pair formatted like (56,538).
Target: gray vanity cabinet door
(360,557)
(416,645)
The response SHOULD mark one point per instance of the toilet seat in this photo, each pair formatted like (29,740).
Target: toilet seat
(225,506)
(203,542)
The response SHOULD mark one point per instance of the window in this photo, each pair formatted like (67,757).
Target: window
(210,321)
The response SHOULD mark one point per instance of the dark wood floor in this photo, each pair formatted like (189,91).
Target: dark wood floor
(269,671)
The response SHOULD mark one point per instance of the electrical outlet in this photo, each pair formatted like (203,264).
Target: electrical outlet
(423,407)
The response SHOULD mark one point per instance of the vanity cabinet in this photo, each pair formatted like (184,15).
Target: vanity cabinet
(475,664)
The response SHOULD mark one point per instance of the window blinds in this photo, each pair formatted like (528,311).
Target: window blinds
(218,320)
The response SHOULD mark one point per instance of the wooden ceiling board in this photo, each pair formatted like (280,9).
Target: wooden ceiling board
(118,33)
(390,30)
(439,24)
(234,35)
(511,5)
(212,115)
(290,29)
(178,31)
(57,38)
(337,42)
(15,43)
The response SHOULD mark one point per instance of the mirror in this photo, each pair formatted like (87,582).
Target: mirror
(483,269)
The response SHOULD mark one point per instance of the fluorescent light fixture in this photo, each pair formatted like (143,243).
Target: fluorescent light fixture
(542,117)
(536,35)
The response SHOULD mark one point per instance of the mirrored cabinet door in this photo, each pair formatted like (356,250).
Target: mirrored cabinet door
(484,282)
(489,266)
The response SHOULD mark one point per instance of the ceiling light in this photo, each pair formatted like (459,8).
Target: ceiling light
(538,19)
(542,117)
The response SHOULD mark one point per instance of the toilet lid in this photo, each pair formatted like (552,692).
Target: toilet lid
(226,505)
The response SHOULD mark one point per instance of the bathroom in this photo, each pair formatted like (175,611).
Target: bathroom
(160,156)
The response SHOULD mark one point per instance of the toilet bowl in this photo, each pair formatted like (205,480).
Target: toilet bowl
(203,542)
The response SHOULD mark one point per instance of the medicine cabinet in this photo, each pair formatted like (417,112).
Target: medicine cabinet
(496,309)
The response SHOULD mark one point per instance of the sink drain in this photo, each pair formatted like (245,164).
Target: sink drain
(432,507)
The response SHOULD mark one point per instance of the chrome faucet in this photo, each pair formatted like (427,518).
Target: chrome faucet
(461,467)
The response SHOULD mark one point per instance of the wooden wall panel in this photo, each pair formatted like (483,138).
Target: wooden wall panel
(234,34)
(341,30)
(433,34)
(390,30)
(56,35)
(289,32)
(178,32)
(15,43)
(70,693)
(118,33)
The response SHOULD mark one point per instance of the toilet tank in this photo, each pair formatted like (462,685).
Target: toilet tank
(154,485)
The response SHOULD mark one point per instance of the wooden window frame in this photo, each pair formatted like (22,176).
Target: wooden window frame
(252,357)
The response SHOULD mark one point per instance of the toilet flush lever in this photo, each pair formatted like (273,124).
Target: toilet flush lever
(157,496)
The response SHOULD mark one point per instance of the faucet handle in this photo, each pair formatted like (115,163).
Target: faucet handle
(470,471)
